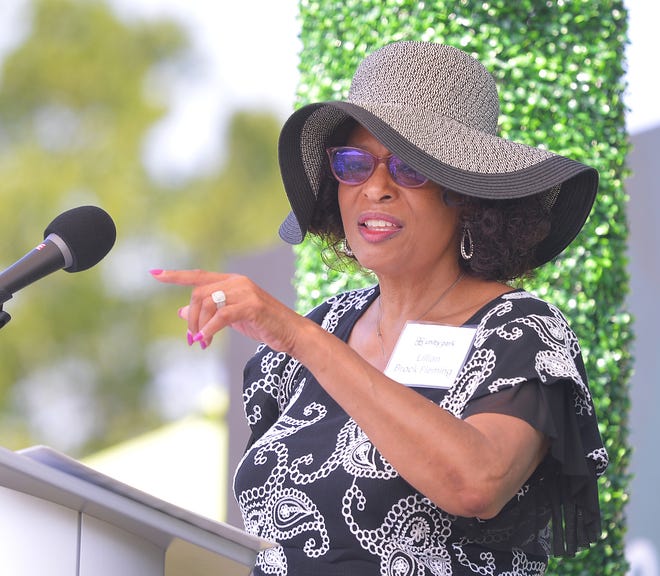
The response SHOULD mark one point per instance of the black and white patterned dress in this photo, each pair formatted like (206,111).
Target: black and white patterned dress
(312,481)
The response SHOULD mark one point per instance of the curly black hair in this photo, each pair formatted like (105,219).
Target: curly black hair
(504,233)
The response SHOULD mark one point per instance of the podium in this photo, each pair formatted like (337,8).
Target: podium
(61,518)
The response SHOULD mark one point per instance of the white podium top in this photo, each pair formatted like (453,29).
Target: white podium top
(47,474)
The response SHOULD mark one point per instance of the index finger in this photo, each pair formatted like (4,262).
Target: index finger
(187,277)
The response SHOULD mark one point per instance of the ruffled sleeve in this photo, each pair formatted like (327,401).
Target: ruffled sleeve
(534,371)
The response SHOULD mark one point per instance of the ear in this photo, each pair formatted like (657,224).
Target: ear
(452,198)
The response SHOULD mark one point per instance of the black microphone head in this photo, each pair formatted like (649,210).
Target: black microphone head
(88,232)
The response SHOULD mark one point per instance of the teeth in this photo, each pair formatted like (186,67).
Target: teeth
(378,224)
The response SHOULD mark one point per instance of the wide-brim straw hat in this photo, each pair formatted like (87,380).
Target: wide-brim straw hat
(436,108)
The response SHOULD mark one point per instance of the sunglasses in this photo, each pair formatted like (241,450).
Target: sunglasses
(354,166)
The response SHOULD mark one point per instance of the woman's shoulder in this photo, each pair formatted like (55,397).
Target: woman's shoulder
(516,305)
(350,302)
(523,324)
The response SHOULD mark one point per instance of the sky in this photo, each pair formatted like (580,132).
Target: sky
(248,51)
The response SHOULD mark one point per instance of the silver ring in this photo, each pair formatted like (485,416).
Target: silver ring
(219,298)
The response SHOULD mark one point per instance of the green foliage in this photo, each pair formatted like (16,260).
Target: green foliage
(559,69)
(77,100)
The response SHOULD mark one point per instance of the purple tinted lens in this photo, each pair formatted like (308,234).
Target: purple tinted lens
(405,175)
(351,165)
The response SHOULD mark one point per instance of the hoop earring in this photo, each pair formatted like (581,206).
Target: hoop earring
(467,244)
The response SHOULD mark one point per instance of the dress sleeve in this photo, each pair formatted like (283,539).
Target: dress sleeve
(564,487)
(530,367)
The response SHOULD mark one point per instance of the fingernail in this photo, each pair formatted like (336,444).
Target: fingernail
(203,345)
(199,337)
(190,338)
(156,271)
(179,312)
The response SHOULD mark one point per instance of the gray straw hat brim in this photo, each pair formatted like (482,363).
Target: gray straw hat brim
(436,108)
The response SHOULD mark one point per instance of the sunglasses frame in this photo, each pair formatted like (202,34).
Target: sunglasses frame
(331,152)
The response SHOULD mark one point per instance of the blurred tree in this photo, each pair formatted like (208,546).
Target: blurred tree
(241,207)
(77,100)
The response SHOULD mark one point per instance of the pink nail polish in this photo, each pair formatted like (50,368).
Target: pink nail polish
(199,337)
(156,271)
(189,335)
(203,345)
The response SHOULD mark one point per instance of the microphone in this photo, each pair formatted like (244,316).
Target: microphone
(75,240)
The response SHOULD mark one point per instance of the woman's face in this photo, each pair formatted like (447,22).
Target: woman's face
(393,229)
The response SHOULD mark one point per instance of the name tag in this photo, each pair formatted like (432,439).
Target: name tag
(429,355)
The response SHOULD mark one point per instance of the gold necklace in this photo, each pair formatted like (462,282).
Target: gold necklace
(379,332)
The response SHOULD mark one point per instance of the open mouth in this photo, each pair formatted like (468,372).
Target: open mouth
(374,224)
(377,227)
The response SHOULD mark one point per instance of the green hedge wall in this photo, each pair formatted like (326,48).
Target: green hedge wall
(559,69)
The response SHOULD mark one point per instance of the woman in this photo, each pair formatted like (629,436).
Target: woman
(433,457)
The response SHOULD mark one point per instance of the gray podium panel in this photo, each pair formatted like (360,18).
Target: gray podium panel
(104,545)
(31,545)
(62,518)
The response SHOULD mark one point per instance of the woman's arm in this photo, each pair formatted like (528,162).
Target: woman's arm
(467,467)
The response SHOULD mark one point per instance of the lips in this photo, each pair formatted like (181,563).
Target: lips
(377,227)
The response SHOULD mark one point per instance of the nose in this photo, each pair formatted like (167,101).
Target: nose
(380,186)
